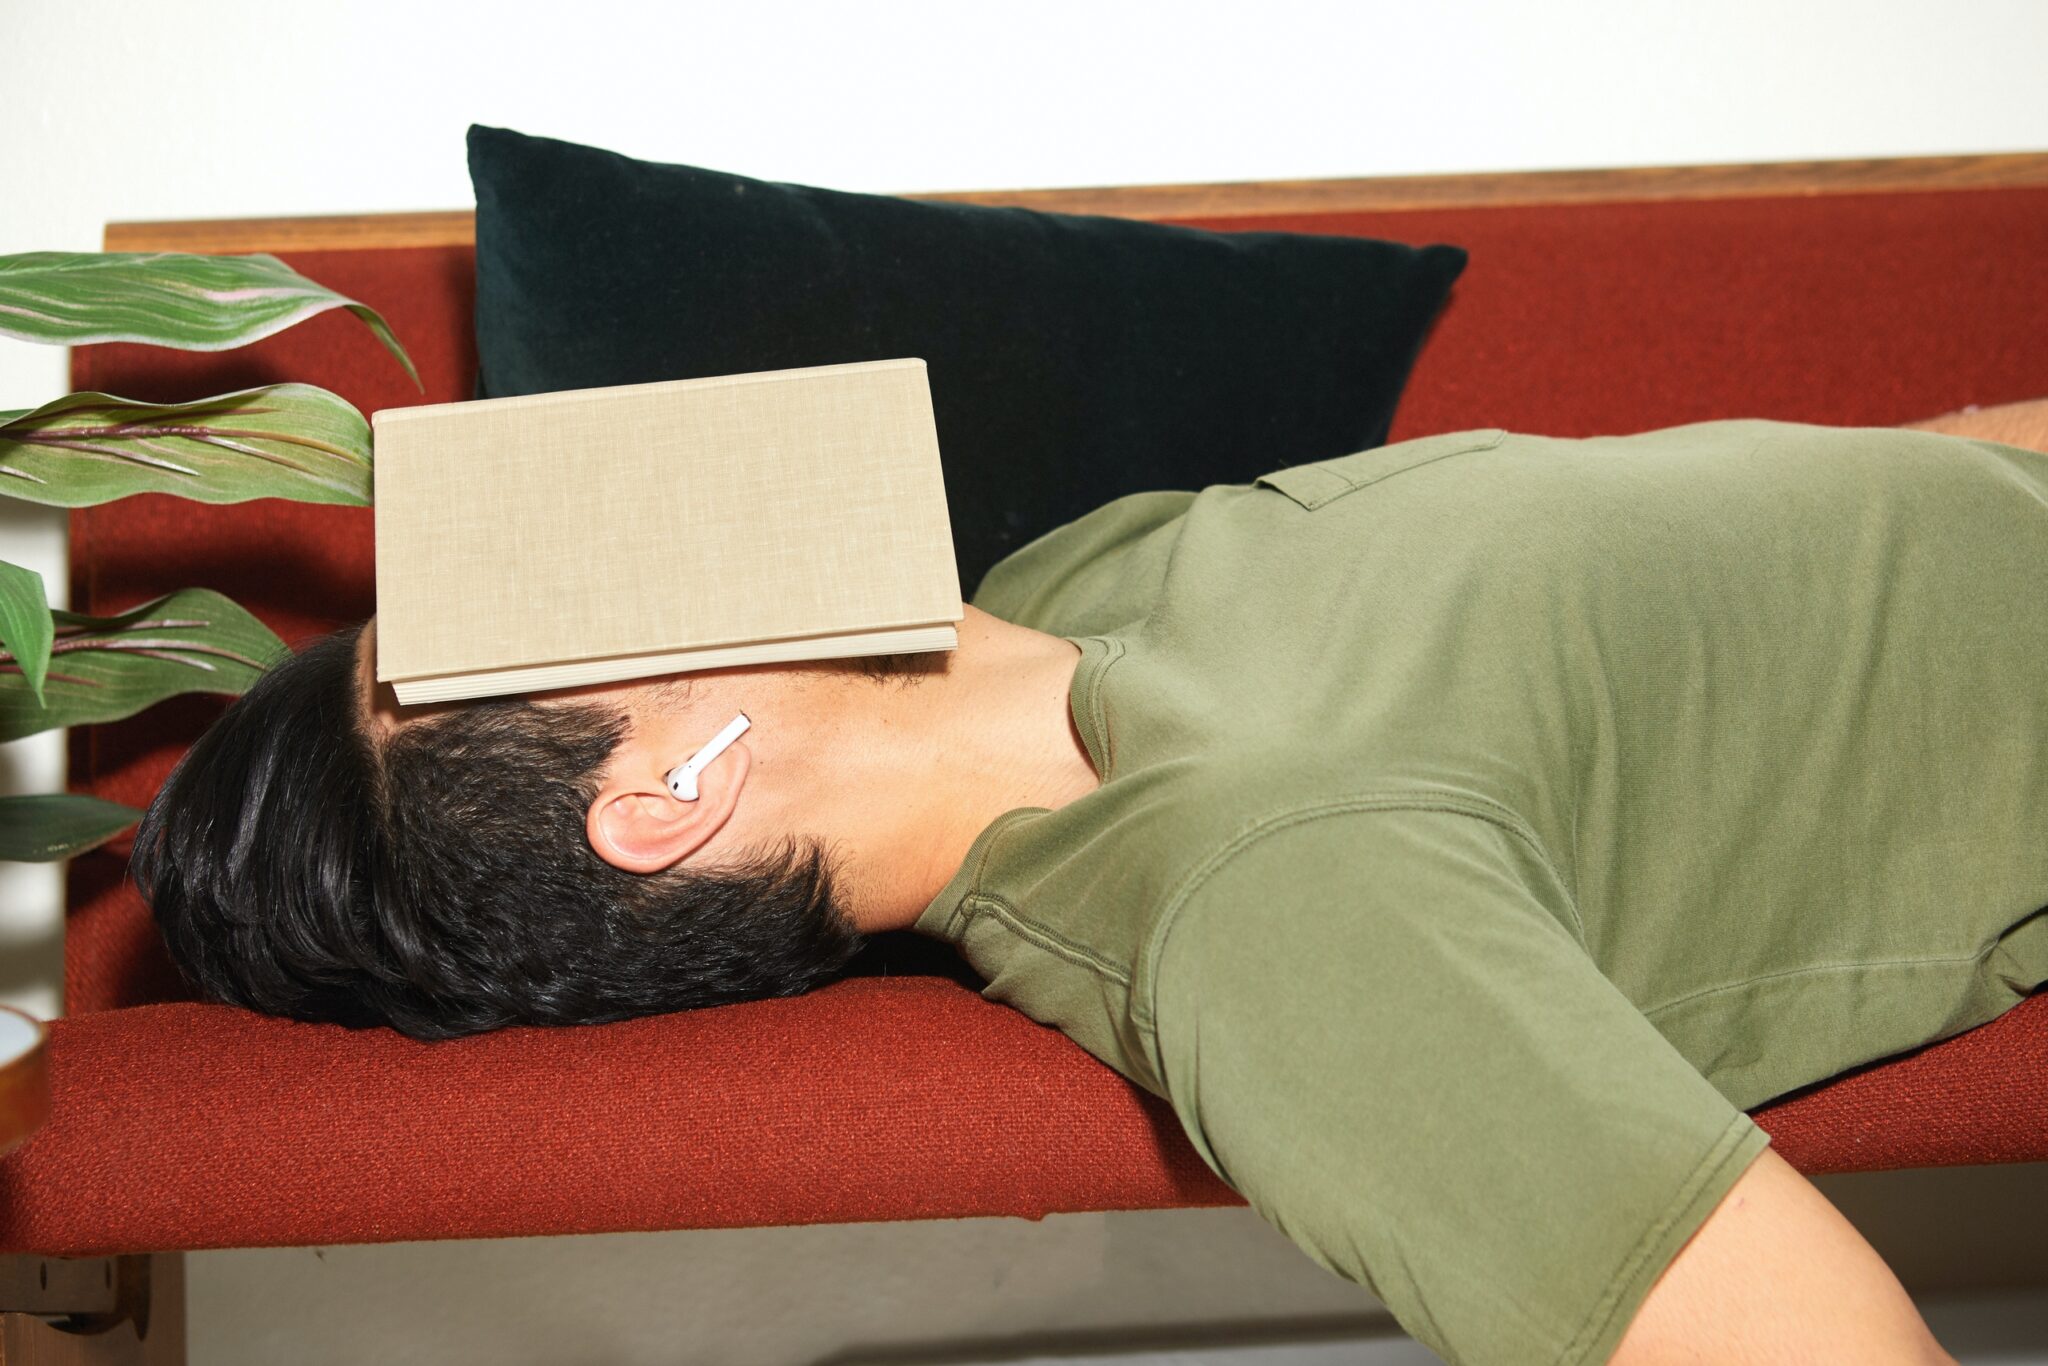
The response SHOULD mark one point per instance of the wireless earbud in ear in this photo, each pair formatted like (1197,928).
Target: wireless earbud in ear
(682,779)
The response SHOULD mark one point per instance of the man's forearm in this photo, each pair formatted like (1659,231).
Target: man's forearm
(2012,424)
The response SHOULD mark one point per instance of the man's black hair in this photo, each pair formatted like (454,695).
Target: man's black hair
(441,881)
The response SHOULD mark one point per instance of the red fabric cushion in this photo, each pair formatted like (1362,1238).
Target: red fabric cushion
(190,1126)
(1571,320)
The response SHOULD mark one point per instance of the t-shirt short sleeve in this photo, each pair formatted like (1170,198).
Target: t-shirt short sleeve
(1379,1026)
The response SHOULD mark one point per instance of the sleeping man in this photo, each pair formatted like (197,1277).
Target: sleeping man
(1461,835)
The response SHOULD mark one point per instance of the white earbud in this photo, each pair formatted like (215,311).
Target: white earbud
(682,779)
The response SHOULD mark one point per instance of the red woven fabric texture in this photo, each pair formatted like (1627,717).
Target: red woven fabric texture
(190,1126)
(1976,1098)
(195,1126)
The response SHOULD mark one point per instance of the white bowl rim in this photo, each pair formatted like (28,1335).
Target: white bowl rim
(21,1034)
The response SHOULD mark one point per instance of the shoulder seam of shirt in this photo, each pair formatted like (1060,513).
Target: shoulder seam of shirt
(1025,928)
(1472,806)
(994,832)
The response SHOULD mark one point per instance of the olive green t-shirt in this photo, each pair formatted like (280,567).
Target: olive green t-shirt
(1488,821)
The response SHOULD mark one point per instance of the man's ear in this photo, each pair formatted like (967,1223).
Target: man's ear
(637,824)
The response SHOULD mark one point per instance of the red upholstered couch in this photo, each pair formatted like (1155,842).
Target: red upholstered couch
(1849,294)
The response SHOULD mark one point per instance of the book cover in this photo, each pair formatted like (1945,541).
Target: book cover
(589,535)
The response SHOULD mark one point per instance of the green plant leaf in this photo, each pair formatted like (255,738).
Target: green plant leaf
(104,668)
(43,828)
(278,441)
(165,298)
(25,623)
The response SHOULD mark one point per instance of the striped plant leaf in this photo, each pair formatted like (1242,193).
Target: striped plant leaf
(49,826)
(278,441)
(105,668)
(25,623)
(165,298)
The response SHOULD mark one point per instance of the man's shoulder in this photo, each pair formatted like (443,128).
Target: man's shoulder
(1359,863)
(1088,575)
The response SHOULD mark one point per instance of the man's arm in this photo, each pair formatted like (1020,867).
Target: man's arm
(2010,424)
(1378,1027)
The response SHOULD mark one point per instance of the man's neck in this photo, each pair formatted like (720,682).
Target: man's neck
(901,777)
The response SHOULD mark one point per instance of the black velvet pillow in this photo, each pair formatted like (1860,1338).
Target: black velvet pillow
(1073,359)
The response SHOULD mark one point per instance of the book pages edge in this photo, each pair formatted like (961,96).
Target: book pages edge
(621,668)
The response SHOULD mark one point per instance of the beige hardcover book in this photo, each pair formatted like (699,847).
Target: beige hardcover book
(561,539)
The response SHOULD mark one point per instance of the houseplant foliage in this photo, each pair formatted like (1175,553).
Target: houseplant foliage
(276,441)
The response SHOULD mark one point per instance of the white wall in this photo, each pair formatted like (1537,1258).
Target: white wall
(222,108)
